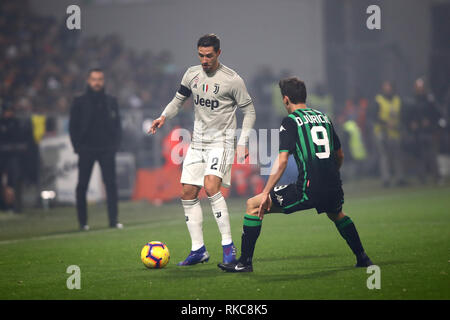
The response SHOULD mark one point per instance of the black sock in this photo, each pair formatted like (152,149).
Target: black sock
(251,230)
(347,229)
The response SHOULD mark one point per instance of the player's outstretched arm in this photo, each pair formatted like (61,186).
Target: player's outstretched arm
(169,112)
(275,175)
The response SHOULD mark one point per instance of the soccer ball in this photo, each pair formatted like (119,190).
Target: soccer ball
(155,255)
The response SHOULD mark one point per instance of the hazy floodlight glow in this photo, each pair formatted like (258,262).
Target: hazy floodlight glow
(48,194)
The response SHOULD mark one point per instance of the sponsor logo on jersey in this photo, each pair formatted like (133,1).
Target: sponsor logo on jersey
(282,129)
(209,103)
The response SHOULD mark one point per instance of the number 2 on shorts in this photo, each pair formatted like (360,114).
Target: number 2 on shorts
(215,161)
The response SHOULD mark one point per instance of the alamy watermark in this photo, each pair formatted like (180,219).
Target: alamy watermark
(374,20)
(73,21)
(262,146)
(74,280)
(374,280)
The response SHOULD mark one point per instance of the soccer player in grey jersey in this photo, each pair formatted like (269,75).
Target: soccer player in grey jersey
(217,92)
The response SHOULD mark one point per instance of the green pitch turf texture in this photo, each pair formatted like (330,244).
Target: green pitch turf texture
(299,256)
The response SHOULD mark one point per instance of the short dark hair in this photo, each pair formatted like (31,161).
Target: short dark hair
(209,40)
(294,89)
(96,69)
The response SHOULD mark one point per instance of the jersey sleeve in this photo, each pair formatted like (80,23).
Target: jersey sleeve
(288,134)
(185,86)
(183,93)
(240,93)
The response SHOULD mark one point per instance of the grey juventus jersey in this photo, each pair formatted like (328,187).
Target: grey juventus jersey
(216,98)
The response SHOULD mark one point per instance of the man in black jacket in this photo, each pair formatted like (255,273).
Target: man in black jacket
(423,125)
(95,132)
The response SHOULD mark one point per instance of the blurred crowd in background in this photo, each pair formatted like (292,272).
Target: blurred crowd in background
(397,139)
(387,136)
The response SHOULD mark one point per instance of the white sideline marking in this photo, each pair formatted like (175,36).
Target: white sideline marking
(87,233)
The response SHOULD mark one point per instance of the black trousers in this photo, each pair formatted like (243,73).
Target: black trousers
(107,161)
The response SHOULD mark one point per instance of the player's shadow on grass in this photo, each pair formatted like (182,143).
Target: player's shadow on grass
(318,274)
(299,276)
(192,271)
(389,262)
(299,257)
(62,233)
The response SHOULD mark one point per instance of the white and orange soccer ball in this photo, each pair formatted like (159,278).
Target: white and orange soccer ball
(155,255)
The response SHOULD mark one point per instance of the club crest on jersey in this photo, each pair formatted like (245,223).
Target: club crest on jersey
(195,82)
(216,88)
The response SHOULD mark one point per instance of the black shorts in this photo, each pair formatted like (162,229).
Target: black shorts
(290,198)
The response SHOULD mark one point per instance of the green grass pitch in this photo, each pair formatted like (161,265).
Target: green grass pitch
(300,256)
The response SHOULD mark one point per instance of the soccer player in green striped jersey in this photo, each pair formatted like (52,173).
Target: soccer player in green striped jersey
(309,136)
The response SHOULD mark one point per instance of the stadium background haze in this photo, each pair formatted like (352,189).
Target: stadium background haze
(395,171)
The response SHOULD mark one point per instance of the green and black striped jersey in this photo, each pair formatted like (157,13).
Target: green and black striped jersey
(309,135)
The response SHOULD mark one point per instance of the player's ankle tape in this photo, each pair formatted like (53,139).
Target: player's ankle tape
(252,221)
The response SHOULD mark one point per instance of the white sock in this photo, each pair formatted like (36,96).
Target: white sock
(220,211)
(194,221)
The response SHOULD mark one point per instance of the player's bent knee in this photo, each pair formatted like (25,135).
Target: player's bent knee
(335,216)
(189,192)
(211,190)
(212,185)
(248,205)
(253,212)
(188,196)
(252,206)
